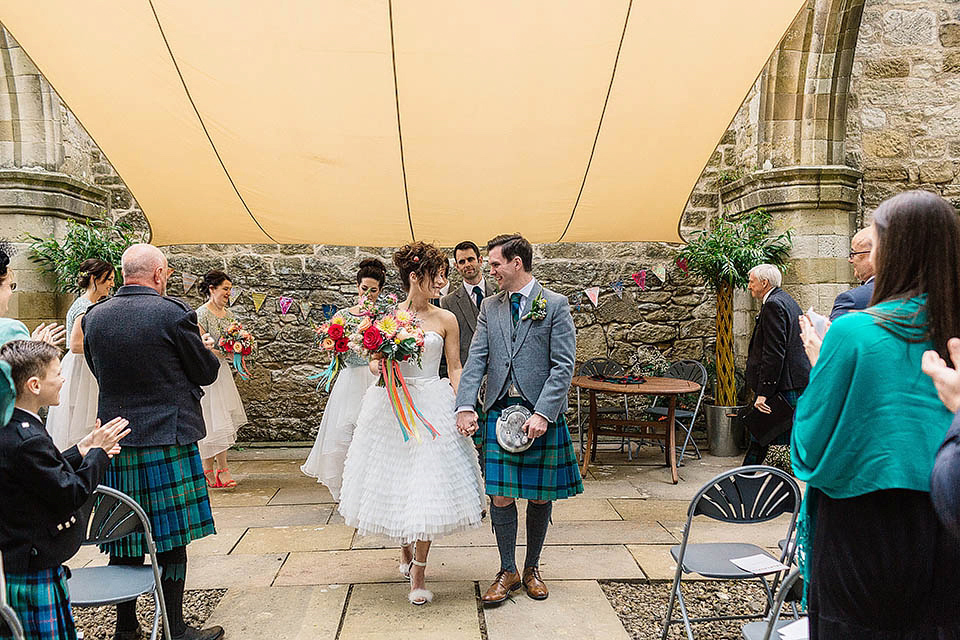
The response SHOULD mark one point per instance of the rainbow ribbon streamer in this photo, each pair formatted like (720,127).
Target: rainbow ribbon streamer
(327,376)
(401,402)
(240,366)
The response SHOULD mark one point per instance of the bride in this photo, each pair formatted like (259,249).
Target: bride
(417,491)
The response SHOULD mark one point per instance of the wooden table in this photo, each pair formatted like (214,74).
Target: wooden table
(669,387)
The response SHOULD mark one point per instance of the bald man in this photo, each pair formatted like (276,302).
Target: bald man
(148,356)
(861,257)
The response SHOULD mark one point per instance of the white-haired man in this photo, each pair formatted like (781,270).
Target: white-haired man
(776,362)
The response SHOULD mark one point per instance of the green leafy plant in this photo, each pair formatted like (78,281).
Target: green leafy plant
(727,176)
(721,257)
(101,239)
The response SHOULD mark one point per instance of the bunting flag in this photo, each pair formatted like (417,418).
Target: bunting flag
(578,300)
(328,310)
(640,277)
(617,288)
(594,294)
(284,302)
(189,279)
(660,272)
(305,309)
(682,263)
(234,294)
(258,299)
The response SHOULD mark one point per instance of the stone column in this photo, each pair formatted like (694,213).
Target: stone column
(820,205)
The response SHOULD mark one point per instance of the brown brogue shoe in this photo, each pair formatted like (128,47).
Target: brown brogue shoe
(505,582)
(535,587)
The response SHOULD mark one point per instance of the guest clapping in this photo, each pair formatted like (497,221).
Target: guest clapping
(945,480)
(879,562)
(11,329)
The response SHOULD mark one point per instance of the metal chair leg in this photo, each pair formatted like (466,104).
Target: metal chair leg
(156,614)
(674,590)
(683,612)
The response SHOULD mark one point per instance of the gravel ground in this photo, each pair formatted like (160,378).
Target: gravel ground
(97,623)
(641,606)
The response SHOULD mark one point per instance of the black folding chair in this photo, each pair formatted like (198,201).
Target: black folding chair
(114,515)
(790,591)
(7,614)
(745,495)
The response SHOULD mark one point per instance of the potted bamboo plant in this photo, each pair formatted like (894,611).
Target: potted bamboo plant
(721,257)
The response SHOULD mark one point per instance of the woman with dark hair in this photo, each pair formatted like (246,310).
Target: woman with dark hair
(222,407)
(325,462)
(11,329)
(70,421)
(414,492)
(878,562)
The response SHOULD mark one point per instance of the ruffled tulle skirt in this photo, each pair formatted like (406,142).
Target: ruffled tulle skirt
(223,413)
(74,417)
(411,490)
(325,462)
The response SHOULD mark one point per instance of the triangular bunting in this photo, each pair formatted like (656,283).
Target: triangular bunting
(234,294)
(305,309)
(284,302)
(640,277)
(617,288)
(189,279)
(258,299)
(660,272)
(594,294)
(682,263)
(328,310)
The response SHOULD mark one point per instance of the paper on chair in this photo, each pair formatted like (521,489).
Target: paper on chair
(796,630)
(759,564)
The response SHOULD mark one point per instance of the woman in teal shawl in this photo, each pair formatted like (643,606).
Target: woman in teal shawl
(878,562)
(11,329)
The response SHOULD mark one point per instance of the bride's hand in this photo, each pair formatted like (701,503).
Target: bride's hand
(374,364)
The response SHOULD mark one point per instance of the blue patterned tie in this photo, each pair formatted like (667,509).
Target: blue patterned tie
(478,293)
(515,307)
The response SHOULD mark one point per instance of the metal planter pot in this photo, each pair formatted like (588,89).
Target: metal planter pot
(726,434)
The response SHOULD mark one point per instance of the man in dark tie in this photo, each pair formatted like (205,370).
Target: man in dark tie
(776,361)
(861,248)
(465,301)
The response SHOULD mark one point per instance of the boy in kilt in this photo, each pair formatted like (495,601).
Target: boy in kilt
(42,522)
(525,342)
(150,361)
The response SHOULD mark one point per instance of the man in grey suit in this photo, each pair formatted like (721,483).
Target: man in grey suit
(526,344)
(465,301)
(861,248)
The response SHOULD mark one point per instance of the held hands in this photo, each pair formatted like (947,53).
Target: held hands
(55,334)
(208,341)
(535,426)
(945,378)
(467,423)
(811,339)
(761,404)
(106,437)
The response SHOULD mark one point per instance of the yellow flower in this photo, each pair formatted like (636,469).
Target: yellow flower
(336,320)
(404,316)
(387,325)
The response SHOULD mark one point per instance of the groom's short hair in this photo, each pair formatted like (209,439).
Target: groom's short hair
(513,245)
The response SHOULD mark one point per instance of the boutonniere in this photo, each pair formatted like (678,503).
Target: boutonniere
(538,309)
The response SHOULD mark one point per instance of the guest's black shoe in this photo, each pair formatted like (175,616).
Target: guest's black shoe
(192,633)
(135,634)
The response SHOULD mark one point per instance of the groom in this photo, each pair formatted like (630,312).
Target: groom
(525,343)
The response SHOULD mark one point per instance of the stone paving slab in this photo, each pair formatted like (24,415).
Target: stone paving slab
(610,489)
(580,508)
(765,534)
(336,567)
(281,613)
(219,544)
(315,493)
(232,571)
(324,537)
(234,517)
(651,510)
(268,467)
(656,562)
(382,612)
(243,495)
(577,610)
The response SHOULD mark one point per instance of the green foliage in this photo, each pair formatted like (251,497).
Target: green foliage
(728,175)
(730,248)
(84,240)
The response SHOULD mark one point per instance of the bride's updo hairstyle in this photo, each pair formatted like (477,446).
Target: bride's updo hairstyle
(420,258)
(372,268)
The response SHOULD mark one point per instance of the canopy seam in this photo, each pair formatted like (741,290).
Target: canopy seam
(396,95)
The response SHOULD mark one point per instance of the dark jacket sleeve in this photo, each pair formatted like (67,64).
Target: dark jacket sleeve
(775,319)
(945,480)
(73,457)
(55,481)
(199,363)
(844,303)
(86,347)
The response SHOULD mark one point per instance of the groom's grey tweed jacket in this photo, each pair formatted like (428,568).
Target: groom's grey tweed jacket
(538,355)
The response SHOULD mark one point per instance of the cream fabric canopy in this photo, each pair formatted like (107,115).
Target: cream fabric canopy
(368,122)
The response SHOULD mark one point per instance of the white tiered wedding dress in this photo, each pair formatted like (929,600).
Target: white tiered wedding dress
(412,490)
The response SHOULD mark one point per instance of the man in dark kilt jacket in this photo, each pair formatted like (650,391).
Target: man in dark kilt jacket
(150,361)
(525,342)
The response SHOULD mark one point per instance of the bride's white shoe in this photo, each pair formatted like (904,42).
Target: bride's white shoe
(419,596)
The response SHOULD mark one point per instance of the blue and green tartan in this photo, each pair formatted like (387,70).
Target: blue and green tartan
(546,471)
(168,483)
(42,604)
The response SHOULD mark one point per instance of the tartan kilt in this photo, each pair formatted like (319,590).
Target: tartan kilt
(168,483)
(546,471)
(42,604)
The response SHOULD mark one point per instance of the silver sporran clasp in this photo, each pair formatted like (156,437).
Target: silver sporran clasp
(510,435)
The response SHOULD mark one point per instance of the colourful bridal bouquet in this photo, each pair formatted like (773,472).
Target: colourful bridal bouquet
(395,338)
(239,343)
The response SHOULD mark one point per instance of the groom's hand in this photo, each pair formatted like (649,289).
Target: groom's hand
(536,426)
(467,423)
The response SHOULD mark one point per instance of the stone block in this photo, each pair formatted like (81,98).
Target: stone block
(382,612)
(937,171)
(886,173)
(885,144)
(950,34)
(903,27)
(290,613)
(887,68)
(647,333)
(951,62)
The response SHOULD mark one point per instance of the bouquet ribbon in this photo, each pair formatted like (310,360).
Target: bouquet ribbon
(241,366)
(327,376)
(401,402)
